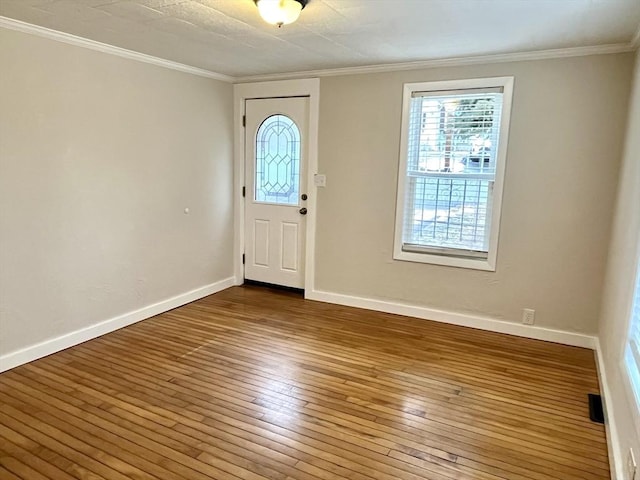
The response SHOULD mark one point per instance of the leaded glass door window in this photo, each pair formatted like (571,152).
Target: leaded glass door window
(277,169)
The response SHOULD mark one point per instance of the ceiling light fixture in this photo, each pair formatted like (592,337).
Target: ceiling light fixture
(280,12)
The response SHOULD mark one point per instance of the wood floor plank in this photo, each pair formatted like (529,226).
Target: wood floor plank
(238,456)
(47,459)
(7,475)
(256,384)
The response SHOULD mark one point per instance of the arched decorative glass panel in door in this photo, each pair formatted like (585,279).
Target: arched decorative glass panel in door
(277,161)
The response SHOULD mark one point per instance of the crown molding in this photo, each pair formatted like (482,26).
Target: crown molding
(12,24)
(448,62)
(24,27)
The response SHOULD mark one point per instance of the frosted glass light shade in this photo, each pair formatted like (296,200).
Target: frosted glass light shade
(279,12)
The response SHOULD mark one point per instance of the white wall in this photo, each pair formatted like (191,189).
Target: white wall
(99,156)
(619,282)
(565,145)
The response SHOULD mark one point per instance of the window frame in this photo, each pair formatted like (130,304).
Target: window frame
(448,257)
(630,385)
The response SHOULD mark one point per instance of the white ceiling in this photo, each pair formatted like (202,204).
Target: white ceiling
(228,36)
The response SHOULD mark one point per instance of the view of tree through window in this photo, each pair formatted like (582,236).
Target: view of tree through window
(451,168)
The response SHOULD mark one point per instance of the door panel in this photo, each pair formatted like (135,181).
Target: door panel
(261,243)
(275,173)
(290,246)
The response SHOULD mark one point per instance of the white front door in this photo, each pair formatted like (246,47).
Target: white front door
(275,170)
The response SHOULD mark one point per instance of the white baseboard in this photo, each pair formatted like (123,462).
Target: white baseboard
(613,441)
(456,318)
(28,354)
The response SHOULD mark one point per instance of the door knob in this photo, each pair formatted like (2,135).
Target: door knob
(303,211)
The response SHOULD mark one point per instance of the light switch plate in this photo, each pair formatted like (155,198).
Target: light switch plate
(320,180)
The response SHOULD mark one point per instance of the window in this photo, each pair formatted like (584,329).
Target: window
(277,161)
(632,352)
(452,162)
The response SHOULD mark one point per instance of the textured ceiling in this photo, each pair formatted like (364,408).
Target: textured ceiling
(228,36)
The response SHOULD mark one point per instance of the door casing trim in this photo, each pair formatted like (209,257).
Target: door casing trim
(242,92)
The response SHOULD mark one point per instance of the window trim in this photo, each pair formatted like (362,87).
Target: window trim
(488,264)
(633,395)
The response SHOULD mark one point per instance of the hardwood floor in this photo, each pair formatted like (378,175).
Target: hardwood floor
(252,384)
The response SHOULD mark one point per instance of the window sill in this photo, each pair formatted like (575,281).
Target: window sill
(446,260)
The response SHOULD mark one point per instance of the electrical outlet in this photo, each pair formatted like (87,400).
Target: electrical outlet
(632,468)
(528,316)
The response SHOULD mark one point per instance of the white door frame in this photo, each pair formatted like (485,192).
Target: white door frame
(283,88)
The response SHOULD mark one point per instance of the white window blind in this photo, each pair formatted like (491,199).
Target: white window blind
(632,356)
(450,166)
